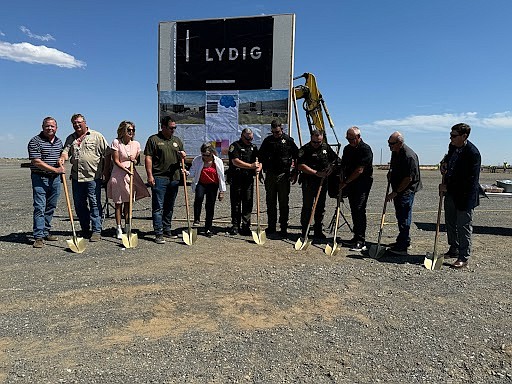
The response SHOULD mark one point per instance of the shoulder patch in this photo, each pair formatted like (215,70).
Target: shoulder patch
(231,148)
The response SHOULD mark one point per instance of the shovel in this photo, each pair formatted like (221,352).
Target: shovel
(130,240)
(433,261)
(335,249)
(258,236)
(304,243)
(190,235)
(376,251)
(77,244)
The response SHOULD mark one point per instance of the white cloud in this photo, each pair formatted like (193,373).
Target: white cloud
(2,34)
(439,123)
(38,54)
(27,32)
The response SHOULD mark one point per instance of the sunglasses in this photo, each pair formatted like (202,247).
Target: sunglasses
(452,135)
(393,143)
(206,154)
(351,138)
(130,130)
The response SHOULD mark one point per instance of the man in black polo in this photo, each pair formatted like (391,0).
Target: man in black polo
(278,153)
(243,165)
(44,151)
(405,179)
(315,161)
(357,167)
(162,159)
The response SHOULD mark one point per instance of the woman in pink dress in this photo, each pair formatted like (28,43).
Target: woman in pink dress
(124,151)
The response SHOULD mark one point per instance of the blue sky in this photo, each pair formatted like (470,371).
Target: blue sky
(408,65)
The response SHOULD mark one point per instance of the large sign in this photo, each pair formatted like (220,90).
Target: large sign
(226,54)
(219,76)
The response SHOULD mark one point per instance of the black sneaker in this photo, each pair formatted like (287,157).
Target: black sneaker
(349,243)
(208,233)
(358,247)
(270,231)
(159,239)
(196,223)
(283,233)
(233,231)
(170,235)
(319,236)
(245,231)
(399,249)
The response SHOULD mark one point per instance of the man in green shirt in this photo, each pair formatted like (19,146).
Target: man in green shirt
(163,154)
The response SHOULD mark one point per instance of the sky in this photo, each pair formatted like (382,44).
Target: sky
(418,67)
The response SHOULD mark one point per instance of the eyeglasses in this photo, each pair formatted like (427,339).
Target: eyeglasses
(276,131)
(393,143)
(452,135)
(206,154)
(173,127)
(78,122)
(248,138)
(351,138)
(130,130)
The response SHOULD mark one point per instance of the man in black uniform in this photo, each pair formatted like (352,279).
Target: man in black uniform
(357,166)
(243,165)
(315,160)
(404,176)
(277,155)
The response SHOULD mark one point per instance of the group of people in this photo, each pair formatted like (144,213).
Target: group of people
(278,161)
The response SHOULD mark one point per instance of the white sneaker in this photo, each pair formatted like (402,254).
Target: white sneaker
(119,233)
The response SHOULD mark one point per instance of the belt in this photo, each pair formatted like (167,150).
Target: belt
(46,174)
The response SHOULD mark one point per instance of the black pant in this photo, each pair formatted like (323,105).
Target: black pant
(277,187)
(310,187)
(357,193)
(210,191)
(241,193)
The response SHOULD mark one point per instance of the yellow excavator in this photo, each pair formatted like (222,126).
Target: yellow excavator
(314,106)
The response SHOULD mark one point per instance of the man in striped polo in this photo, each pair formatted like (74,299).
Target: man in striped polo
(44,151)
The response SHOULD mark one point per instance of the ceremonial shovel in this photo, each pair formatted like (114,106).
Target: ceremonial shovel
(432,260)
(335,249)
(376,251)
(77,245)
(189,236)
(258,236)
(304,243)
(130,240)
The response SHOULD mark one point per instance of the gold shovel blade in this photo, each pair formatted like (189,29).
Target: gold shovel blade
(190,236)
(332,251)
(433,262)
(130,240)
(302,244)
(77,244)
(259,237)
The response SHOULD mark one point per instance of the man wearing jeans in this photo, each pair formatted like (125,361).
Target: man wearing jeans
(86,151)
(163,154)
(44,151)
(404,177)
(461,170)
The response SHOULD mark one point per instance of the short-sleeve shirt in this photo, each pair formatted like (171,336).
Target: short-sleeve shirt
(244,152)
(405,163)
(166,161)
(39,147)
(277,154)
(86,157)
(317,159)
(355,157)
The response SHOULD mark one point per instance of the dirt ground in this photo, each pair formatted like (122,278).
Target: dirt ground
(228,310)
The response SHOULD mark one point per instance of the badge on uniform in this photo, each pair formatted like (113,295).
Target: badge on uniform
(175,145)
(283,141)
(324,151)
(231,148)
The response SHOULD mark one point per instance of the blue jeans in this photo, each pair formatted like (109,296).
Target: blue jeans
(87,201)
(210,191)
(46,192)
(403,212)
(164,194)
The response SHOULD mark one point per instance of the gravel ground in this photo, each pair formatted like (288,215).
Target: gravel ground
(226,310)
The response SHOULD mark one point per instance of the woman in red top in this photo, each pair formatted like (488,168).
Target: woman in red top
(207,171)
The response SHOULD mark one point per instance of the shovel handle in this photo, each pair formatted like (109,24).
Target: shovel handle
(185,191)
(68,202)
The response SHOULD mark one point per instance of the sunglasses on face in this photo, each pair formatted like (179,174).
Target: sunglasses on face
(452,135)
(392,143)
(130,130)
